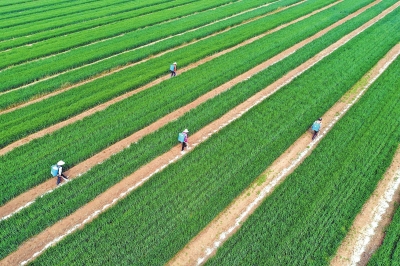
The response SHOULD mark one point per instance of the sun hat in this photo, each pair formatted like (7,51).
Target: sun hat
(174,63)
(60,163)
(185,131)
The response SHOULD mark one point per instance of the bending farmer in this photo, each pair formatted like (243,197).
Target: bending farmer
(56,170)
(172,69)
(316,127)
(183,137)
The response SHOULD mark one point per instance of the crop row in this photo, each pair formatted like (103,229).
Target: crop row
(87,137)
(389,252)
(45,211)
(160,217)
(71,102)
(50,28)
(32,7)
(305,219)
(63,43)
(11,77)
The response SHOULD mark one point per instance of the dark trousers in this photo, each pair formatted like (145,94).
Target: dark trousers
(173,73)
(59,178)
(315,134)
(184,145)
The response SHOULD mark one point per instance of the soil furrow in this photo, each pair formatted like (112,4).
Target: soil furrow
(36,245)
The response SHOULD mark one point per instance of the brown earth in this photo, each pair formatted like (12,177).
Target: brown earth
(38,242)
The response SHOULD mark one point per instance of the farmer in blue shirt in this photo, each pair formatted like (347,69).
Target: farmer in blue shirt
(56,170)
(183,137)
(316,127)
(172,69)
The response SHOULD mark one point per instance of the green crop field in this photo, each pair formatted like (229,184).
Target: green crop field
(61,60)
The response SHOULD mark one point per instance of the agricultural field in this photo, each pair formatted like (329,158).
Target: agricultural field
(88,82)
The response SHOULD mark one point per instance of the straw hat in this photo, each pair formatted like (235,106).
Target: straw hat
(60,163)
(185,131)
(174,63)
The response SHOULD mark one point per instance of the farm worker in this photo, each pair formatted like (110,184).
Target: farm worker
(185,139)
(172,68)
(56,170)
(316,127)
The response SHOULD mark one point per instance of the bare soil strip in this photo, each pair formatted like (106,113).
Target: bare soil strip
(205,244)
(367,232)
(39,243)
(118,69)
(27,198)
(153,83)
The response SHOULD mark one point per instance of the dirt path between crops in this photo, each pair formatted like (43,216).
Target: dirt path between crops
(36,245)
(28,197)
(120,68)
(205,244)
(368,229)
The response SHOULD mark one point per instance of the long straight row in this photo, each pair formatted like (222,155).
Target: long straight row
(66,15)
(55,109)
(305,219)
(105,172)
(95,133)
(59,44)
(43,29)
(119,48)
(155,221)
(389,252)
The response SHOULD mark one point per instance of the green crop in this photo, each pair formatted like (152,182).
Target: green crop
(195,186)
(26,73)
(305,219)
(389,252)
(92,135)
(71,102)
(151,224)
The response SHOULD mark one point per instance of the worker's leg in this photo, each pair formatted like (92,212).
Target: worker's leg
(315,134)
(58,179)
